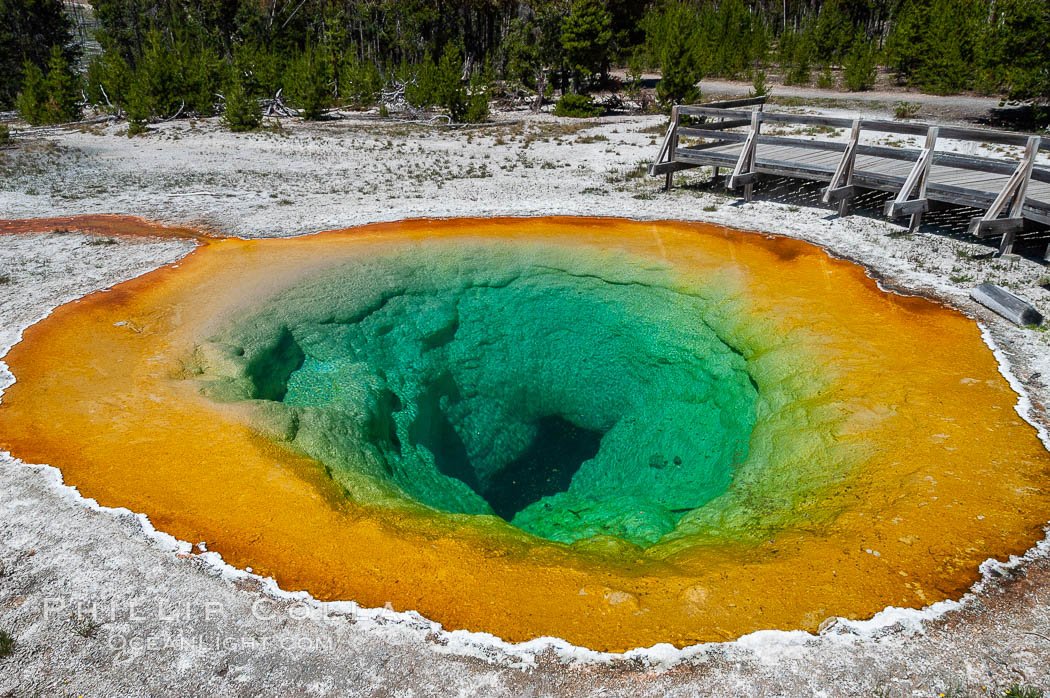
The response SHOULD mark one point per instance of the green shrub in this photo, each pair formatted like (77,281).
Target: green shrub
(428,87)
(108,81)
(242,112)
(7,644)
(759,88)
(577,106)
(906,110)
(359,81)
(477,104)
(635,69)
(826,80)
(5,135)
(51,98)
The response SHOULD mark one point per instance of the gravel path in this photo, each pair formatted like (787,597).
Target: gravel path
(963,104)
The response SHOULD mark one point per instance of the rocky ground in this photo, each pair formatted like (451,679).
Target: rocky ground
(167,622)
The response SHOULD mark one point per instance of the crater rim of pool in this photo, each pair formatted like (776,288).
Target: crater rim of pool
(773,546)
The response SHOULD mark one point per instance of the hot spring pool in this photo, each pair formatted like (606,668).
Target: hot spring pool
(614,432)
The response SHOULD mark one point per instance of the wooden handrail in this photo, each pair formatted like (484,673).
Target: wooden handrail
(912,128)
(712,124)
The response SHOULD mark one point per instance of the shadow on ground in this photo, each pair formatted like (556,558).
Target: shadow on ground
(946,220)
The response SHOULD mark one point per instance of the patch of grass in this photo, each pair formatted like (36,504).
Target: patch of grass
(711,207)
(1019,691)
(622,176)
(596,138)
(906,110)
(954,691)
(5,135)
(654,129)
(102,241)
(898,234)
(6,279)
(85,627)
(820,130)
(7,644)
(137,128)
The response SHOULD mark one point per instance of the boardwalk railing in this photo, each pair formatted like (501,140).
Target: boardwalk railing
(1014,193)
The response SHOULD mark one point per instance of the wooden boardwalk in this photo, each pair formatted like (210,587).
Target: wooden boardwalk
(1014,193)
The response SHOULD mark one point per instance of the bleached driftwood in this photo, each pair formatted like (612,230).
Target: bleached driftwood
(1015,309)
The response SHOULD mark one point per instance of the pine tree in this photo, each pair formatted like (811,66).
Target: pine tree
(308,83)
(198,70)
(156,82)
(450,91)
(946,65)
(29,31)
(859,67)
(796,55)
(906,44)
(678,71)
(359,81)
(1014,52)
(834,32)
(31,100)
(586,38)
(521,53)
(759,88)
(107,82)
(242,112)
(50,98)
(427,88)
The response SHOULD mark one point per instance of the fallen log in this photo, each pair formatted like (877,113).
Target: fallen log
(1015,309)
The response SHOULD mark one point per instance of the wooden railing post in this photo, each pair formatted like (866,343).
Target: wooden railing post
(903,204)
(672,146)
(841,187)
(744,172)
(1016,187)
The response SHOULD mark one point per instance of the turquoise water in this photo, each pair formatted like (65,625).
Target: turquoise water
(570,403)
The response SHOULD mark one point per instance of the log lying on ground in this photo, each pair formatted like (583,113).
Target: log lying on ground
(1016,310)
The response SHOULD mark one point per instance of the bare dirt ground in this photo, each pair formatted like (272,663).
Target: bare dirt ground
(98,605)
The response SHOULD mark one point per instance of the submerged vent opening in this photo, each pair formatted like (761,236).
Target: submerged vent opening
(566,404)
